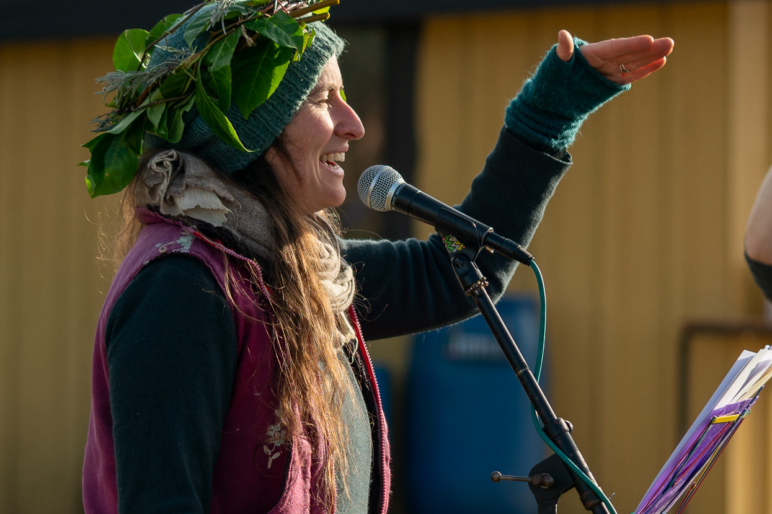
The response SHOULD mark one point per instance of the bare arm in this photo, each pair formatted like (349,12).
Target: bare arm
(758,233)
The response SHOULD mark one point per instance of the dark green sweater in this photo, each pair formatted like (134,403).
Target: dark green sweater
(408,285)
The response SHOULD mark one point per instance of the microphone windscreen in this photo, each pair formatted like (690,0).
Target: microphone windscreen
(375,184)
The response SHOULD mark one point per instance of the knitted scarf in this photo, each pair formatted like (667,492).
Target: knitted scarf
(181,184)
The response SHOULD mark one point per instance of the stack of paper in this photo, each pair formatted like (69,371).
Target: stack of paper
(709,433)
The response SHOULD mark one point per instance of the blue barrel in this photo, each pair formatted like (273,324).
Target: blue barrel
(468,416)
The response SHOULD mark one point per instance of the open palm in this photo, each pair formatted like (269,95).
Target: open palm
(622,60)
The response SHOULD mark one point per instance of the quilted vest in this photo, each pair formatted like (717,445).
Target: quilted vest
(251,451)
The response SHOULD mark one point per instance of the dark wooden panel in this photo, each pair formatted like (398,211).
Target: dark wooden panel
(77,18)
(401,10)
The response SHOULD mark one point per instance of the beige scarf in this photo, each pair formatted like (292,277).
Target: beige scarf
(181,184)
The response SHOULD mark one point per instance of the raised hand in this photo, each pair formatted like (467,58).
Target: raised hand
(622,60)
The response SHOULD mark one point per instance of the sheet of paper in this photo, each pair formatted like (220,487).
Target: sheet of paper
(757,365)
(761,373)
(748,371)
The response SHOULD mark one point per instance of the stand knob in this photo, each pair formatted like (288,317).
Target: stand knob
(543,480)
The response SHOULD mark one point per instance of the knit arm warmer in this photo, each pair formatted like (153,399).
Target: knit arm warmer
(555,101)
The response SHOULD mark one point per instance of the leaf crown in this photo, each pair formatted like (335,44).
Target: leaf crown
(238,51)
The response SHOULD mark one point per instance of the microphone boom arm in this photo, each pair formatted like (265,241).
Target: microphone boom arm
(473,283)
(383,189)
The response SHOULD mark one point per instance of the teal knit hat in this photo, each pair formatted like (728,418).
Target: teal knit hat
(267,121)
(221,80)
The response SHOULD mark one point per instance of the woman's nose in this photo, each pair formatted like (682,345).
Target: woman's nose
(348,125)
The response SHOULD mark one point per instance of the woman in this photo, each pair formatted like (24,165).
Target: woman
(230,373)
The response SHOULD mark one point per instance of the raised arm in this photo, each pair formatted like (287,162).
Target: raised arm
(408,286)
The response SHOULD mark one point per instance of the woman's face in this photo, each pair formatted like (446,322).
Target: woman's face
(317,140)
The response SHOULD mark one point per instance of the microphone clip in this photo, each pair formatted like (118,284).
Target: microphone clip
(463,256)
(459,232)
(462,260)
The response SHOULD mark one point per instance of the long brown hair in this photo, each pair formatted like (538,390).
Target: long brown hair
(312,381)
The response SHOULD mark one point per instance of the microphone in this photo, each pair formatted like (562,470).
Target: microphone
(382,188)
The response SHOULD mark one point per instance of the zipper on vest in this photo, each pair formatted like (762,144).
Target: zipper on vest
(379,405)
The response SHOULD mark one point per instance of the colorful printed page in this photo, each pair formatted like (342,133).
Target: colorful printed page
(710,432)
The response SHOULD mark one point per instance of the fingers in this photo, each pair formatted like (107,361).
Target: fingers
(659,48)
(639,73)
(663,45)
(628,59)
(565,48)
(613,48)
(626,65)
(634,46)
(625,50)
(638,65)
(641,62)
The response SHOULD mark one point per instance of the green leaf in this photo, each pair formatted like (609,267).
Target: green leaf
(174,122)
(216,119)
(220,55)
(222,81)
(322,10)
(94,143)
(308,38)
(126,122)
(280,28)
(161,28)
(175,85)
(257,73)
(129,50)
(235,11)
(155,112)
(114,160)
(198,23)
(162,129)
(343,95)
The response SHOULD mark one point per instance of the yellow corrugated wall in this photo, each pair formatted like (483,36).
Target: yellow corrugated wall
(646,230)
(643,233)
(50,288)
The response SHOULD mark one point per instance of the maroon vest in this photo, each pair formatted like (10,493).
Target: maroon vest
(249,466)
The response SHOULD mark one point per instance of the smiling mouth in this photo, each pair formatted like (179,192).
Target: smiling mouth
(332,159)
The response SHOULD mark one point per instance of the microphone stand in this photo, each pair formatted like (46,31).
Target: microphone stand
(559,479)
